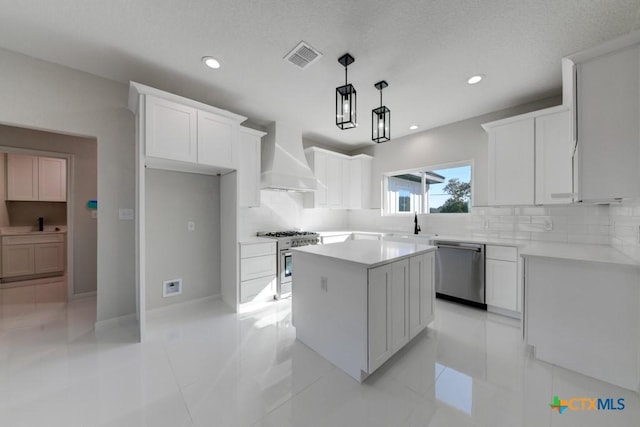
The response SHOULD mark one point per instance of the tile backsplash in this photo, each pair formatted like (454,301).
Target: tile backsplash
(617,225)
(281,210)
(625,228)
(569,224)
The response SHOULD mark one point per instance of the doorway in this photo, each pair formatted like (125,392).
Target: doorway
(48,228)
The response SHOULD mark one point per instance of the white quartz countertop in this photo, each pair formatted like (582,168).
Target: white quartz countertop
(577,252)
(255,239)
(483,240)
(17,231)
(369,253)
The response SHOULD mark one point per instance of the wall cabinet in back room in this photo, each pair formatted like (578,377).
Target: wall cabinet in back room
(34,178)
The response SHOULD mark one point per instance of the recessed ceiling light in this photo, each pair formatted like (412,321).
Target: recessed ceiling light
(413,127)
(211,62)
(475,79)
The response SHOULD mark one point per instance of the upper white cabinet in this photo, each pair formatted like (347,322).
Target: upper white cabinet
(217,138)
(511,163)
(171,130)
(344,182)
(530,158)
(554,153)
(249,167)
(359,196)
(180,134)
(608,112)
(33,178)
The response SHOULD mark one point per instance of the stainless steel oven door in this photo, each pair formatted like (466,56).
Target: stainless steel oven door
(285,274)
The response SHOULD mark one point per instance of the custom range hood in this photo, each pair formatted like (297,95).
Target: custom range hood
(284,165)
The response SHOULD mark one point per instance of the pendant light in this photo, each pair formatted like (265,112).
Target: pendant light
(381,118)
(346,98)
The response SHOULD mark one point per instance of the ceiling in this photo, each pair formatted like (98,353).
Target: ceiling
(425,50)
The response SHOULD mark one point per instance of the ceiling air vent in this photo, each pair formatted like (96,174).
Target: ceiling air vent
(303,55)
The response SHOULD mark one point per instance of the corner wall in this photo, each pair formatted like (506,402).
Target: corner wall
(41,95)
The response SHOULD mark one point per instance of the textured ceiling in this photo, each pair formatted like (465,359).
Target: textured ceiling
(425,50)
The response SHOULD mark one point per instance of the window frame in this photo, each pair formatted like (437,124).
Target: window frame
(384,185)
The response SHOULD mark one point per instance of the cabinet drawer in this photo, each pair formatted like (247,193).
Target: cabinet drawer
(260,288)
(29,239)
(260,266)
(248,250)
(502,253)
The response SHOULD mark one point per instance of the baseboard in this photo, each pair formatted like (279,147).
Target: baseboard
(84,295)
(114,322)
(504,312)
(159,311)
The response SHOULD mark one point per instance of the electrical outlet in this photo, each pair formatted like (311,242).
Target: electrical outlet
(191,226)
(94,214)
(323,284)
(486,223)
(548,225)
(171,288)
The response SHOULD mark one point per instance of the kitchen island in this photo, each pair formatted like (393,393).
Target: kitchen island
(358,302)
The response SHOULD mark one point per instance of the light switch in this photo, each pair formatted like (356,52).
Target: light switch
(125,214)
(94,214)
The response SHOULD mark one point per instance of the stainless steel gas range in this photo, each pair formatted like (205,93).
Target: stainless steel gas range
(286,241)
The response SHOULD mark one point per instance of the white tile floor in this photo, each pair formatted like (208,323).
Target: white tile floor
(205,366)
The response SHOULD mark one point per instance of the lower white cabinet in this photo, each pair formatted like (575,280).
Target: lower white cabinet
(502,287)
(421,292)
(258,265)
(29,255)
(400,305)
(583,316)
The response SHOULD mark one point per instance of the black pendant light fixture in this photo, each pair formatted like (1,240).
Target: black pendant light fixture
(381,118)
(346,98)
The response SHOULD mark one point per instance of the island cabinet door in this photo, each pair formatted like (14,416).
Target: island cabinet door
(421,292)
(388,309)
(379,316)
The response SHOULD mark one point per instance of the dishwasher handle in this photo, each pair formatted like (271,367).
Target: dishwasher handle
(466,248)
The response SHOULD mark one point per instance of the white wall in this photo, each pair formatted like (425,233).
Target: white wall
(41,95)
(281,210)
(463,140)
(172,251)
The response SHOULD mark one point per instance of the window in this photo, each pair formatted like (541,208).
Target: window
(429,190)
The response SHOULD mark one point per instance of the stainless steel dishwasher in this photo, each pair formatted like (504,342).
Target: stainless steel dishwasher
(460,273)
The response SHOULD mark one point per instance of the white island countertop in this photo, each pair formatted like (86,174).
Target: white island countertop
(369,253)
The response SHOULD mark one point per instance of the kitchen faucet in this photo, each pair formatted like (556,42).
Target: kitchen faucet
(416,227)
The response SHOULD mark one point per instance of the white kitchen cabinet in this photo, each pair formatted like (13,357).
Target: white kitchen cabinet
(421,292)
(608,108)
(501,274)
(170,130)
(184,135)
(258,266)
(583,316)
(388,311)
(249,167)
(511,163)
(35,178)
(52,179)
(32,254)
(18,260)
(22,177)
(48,257)
(554,155)
(217,140)
(359,195)
(344,182)
(335,180)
